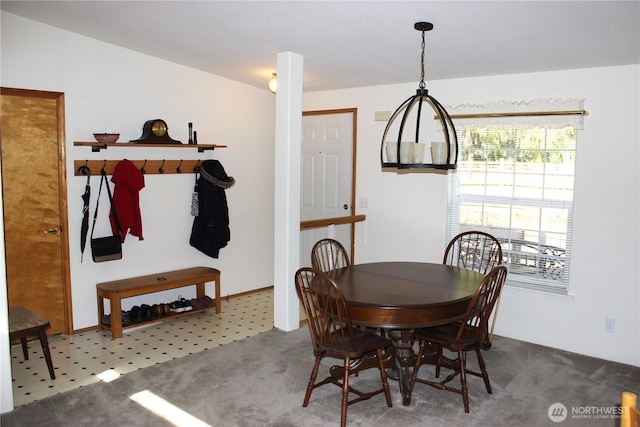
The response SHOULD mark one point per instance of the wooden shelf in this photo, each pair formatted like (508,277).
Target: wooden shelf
(155,319)
(97,146)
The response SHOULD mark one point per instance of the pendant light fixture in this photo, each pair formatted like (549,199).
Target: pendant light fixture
(404,144)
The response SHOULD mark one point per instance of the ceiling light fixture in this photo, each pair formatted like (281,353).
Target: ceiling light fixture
(409,153)
(273,83)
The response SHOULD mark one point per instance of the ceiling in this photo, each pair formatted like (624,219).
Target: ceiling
(358,43)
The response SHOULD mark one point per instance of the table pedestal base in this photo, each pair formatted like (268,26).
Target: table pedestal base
(405,360)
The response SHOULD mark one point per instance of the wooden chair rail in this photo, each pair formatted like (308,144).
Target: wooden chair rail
(324,222)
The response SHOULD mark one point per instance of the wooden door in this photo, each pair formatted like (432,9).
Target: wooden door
(34,199)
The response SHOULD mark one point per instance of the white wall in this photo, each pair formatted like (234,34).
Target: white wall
(406,216)
(108,88)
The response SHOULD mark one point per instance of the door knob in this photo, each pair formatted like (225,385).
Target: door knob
(345,207)
(51,231)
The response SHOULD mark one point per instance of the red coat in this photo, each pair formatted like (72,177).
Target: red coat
(128,182)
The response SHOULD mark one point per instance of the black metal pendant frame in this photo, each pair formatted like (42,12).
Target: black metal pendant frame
(404,111)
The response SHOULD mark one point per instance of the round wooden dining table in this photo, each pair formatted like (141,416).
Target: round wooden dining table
(402,296)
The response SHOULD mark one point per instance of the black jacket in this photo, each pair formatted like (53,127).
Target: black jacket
(210,231)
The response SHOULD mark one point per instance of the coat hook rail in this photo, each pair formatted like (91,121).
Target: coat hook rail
(151,167)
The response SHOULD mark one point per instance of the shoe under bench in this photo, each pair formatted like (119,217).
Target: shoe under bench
(117,290)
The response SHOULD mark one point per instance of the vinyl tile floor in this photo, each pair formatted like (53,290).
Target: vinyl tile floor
(94,356)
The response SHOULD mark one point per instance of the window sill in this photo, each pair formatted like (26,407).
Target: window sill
(528,287)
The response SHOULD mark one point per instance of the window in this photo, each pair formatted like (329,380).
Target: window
(516,182)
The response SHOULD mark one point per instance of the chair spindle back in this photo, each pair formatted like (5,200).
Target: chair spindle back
(474,250)
(326,309)
(474,325)
(329,254)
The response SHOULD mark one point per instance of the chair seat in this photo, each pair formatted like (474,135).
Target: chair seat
(366,342)
(446,335)
(21,319)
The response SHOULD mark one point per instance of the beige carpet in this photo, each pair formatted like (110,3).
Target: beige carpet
(260,381)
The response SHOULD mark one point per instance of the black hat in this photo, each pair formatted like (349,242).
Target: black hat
(212,171)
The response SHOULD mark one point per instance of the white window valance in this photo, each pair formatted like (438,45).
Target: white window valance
(549,113)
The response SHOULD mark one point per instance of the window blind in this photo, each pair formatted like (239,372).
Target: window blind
(516,182)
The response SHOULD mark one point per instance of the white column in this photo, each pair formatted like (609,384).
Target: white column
(287,189)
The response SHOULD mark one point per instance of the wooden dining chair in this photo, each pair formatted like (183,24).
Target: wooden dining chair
(329,254)
(333,335)
(478,251)
(461,337)
(474,250)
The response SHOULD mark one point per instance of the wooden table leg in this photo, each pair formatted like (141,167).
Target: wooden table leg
(199,290)
(116,316)
(100,312)
(25,347)
(218,299)
(404,360)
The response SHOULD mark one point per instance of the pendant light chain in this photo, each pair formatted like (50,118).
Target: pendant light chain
(422,84)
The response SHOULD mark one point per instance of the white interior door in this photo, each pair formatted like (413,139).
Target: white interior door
(326,177)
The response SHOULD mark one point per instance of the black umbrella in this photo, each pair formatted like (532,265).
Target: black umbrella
(85,210)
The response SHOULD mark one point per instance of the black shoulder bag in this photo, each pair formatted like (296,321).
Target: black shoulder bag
(106,248)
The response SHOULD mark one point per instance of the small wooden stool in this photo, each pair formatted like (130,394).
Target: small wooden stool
(24,323)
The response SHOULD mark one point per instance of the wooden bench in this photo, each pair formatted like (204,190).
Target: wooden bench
(116,290)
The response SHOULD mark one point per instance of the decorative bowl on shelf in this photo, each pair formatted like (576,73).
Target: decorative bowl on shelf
(106,138)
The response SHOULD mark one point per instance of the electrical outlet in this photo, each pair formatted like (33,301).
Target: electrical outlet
(610,325)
